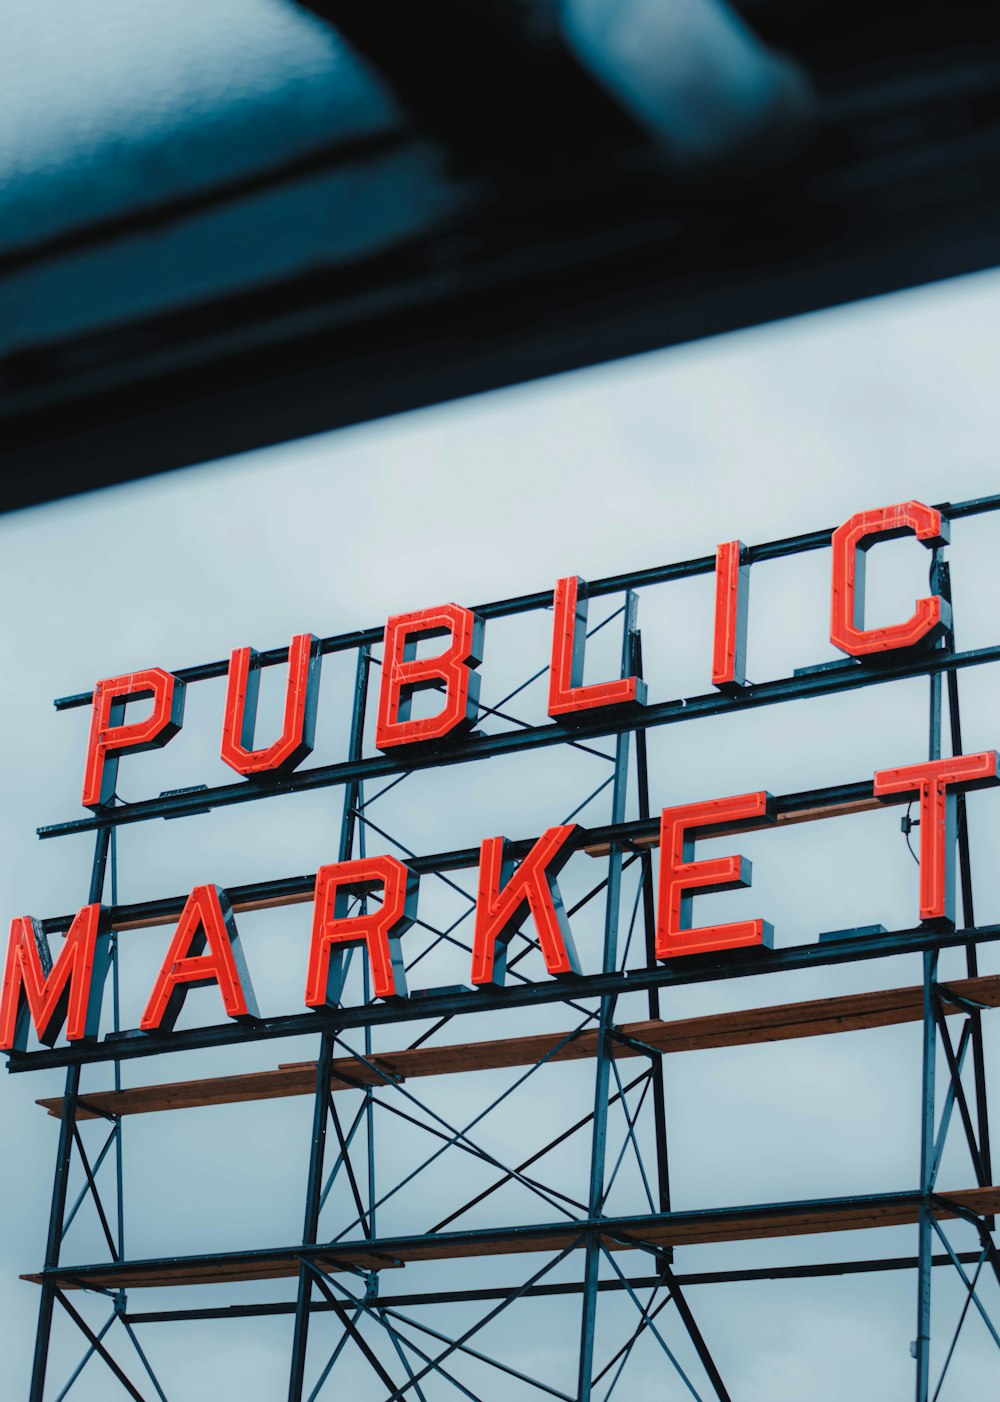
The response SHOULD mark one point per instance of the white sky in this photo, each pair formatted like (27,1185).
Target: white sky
(758,435)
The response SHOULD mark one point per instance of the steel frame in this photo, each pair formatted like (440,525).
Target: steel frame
(407,1356)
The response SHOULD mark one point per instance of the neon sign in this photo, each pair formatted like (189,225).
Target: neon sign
(64,993)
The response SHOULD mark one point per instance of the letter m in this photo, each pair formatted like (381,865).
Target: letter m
(48,994)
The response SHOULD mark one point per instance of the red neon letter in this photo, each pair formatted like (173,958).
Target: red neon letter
(380,929)
(729,644)
(935,783)
(505,896)
(69,991)
(567,694)
(296,740)
(403,673)
(851,541)
(110,737)
(207,919)
(681,874)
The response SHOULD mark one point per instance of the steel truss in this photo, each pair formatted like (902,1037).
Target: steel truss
(406,1353)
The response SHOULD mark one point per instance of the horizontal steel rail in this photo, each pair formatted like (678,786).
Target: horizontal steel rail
(526,603)
(285,890)
(872,1265)
(648,1039)
(824,681)
(627,1233)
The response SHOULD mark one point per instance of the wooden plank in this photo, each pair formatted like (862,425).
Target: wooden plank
(800,815)
(781,1222)
(150,922)
(673,1229)
(817,1018)
(224,1272)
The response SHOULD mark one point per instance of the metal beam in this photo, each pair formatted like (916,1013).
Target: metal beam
(807,805)
(64,1153)
(604,1050)
(837,679)
(821,1269)
(542,599)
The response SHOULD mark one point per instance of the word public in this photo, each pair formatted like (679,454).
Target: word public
(205,947)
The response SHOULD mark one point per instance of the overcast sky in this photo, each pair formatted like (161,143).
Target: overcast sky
(756,435)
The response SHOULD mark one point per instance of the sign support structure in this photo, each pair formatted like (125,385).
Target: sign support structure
(577,1250)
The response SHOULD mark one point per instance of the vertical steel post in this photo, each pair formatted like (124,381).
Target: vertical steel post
(968,907)
(353,803)
(64,1154)
(666,1255)
(649,930)
(355,748)
(116,1024)
(314,1183)
(314,1189)
(595,1198)
(925,1238)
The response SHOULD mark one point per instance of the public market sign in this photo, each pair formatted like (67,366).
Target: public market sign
(65,993)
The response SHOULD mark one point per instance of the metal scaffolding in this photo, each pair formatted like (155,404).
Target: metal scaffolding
(397,1334)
